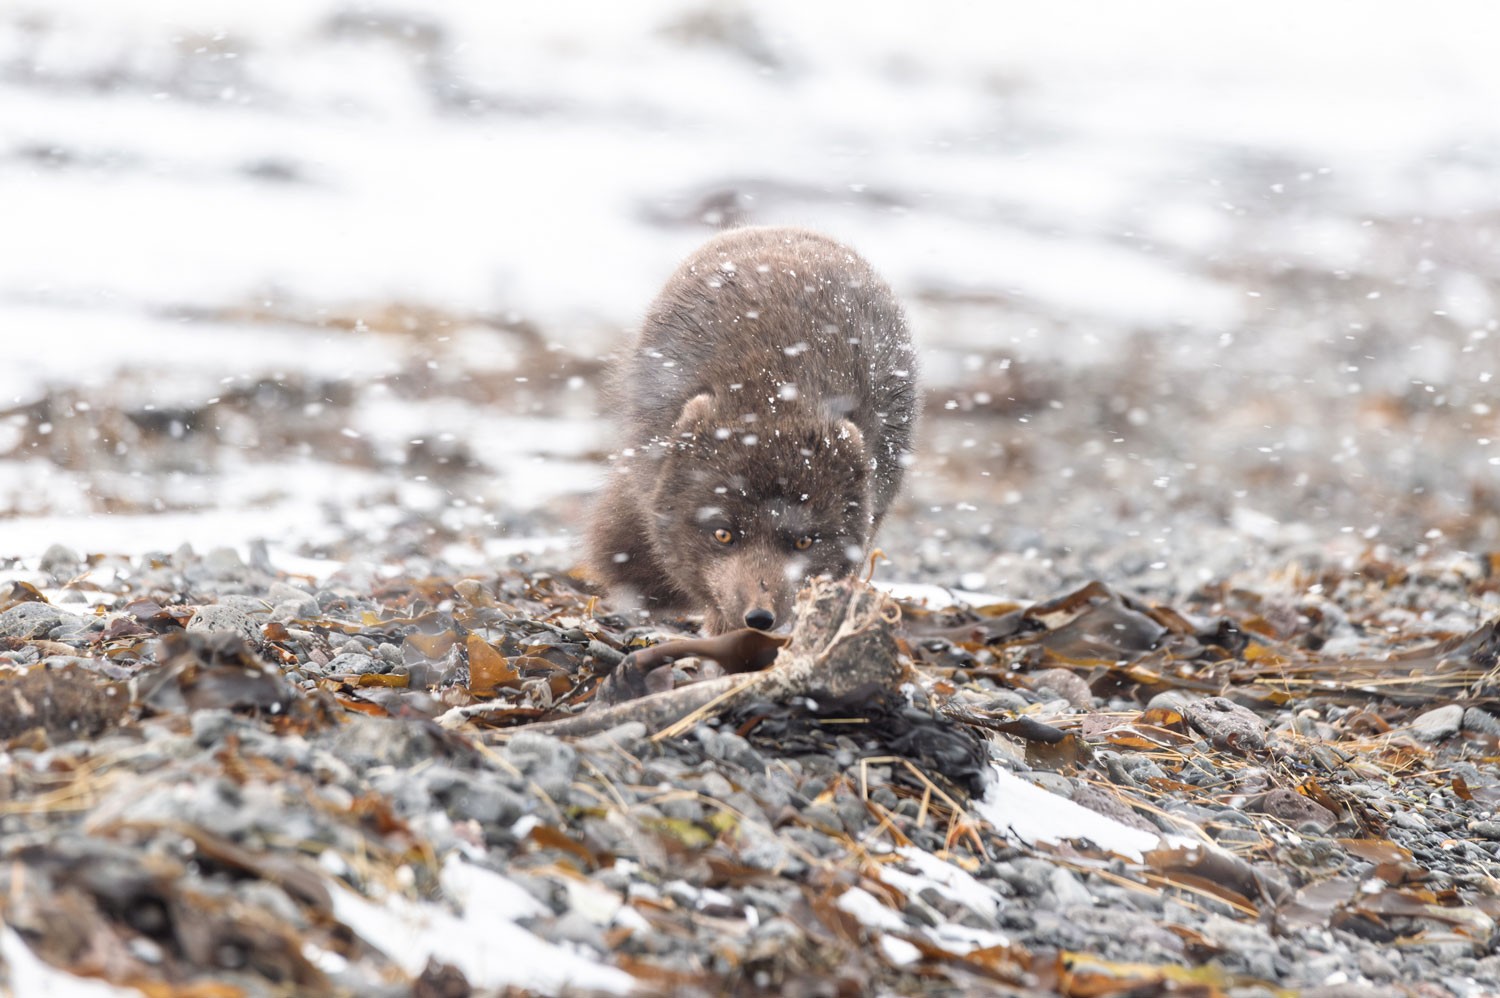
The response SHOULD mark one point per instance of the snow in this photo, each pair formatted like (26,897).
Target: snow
(865,907)
(32,977)
(939,597)
(252,170)
(1031,815)
(482,940)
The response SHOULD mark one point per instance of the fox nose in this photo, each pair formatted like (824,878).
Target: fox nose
(761,620)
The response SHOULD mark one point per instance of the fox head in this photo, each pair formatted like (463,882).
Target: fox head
(744,513)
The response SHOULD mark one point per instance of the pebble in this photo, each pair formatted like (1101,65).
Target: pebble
(1066,684)
(1296,810)
(1068,889)
(354,663)
(1437,724)
(1177,700)
(1482,721)
(32,620)
(61,562)
(1005,700)
(216,617)
(1227,724)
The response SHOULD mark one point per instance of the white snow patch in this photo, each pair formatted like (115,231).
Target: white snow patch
(472,886)
(483,941)
(868,910)
(1026,812)
(32,977)
(941,597)
(950,881)
(898,951)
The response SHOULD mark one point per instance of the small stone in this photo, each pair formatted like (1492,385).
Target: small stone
(1227,724)
(32,620)
(1055,782)
(1480,720)
(1435,725)
(1295,809)
(1069,889)
(279,591)
(354,663)
(1487,829)
(1176,700)
(61,562)
(224,562)
(1005,700)
(1065,684)
(214,617)
(628,738)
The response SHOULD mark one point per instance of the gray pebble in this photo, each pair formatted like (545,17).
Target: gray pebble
(1171,700)
(1066,684)
(354,663)
(32,620)
(1480,720)
(224,562)
(1437,724)
(279,591)
(215,617)
(1068,889)
(61,562)
(1227,723)
(629,737)
(1005,700)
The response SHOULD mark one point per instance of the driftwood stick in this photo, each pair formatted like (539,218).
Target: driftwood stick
(843,639)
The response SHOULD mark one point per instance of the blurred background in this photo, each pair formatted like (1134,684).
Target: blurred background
(1198,289)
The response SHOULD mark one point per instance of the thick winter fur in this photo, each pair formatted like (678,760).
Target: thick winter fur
(770,400)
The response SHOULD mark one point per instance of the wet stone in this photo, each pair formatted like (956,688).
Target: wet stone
(629,738)
(1487,829)
(1005,700)
(29,621)
(1066,684)
(1177,700)
(61,562)
(1295,809)
(1227,724)
(1479,720)
(217,617)
(354,663)
(1435,725)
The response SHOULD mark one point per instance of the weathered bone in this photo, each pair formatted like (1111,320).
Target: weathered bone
(843,639)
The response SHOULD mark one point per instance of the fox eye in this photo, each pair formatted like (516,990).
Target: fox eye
(803,543)
(724,536)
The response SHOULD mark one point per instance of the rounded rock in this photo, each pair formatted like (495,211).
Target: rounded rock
(30,620)
(1482,721)
(216,617)
(1439,723)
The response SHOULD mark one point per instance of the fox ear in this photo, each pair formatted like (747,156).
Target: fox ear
(848,431)
(694,412)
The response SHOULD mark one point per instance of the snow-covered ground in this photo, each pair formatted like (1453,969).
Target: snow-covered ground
(332,274)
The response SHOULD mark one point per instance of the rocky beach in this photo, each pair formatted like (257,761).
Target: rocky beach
(1183,636)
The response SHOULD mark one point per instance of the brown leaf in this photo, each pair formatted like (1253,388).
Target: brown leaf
(1461,788)
(487,667)
(434,646)
(17,592)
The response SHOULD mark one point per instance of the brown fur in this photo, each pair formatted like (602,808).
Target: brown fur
(715,439)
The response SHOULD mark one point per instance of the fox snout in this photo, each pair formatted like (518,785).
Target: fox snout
(752,589)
